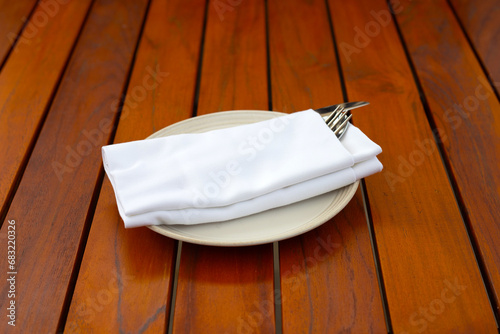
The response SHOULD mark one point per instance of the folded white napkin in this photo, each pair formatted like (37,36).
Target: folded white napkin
(229,173)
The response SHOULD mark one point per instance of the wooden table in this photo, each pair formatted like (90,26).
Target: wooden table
(416,250)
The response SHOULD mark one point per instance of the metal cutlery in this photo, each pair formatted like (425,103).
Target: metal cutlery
(338,119)
(345,105)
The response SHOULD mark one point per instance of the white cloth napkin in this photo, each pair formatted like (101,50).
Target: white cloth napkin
(229,173)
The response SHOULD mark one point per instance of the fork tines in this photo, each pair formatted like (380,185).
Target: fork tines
(338,121)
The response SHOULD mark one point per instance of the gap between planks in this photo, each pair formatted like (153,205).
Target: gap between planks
(376,257)
(170,319)
(4,207)
(14,42)
(100,178)
(366,203)
(474,50)
(488,286)
(200,62)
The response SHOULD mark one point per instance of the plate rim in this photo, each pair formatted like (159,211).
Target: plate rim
(168,231)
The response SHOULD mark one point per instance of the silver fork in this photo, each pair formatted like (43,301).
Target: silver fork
(345,105)
(339,117)
(338,121)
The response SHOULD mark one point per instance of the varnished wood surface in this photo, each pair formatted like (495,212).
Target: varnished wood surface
(27,82)
(422,244)
(143,260)
(303,69)
(467,112)
(326,271)
(234,60)
(480,22)
(415,250)
(65,158)
(12,17)
(329,274)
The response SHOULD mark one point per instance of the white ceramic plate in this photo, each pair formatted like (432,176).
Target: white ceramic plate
(269,226)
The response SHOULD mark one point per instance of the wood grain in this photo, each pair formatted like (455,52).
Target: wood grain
(224,290)
(328,276)
(234,72)
(54,196)
(302,53)
(59,94)
(28,80)
(480,20)
(432,280)
(467,112)
(168,53)
(12,17)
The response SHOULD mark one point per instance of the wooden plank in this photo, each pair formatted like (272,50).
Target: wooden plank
(13,14)
(229,290)
(28,81)
(431,278)
(480,20)
(234,64)
(302,51)
(328,276)
(466,110)
(54,196)
(124,283)
(168,53)
(224,290)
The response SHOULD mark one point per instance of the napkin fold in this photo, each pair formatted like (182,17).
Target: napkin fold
(234,172)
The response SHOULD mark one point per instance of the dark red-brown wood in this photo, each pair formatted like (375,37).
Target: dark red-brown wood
(168,53)
(12,17)
(79,270)
(481,24)
(431,278)
(27,81)
(301,53)
(465,109)
(223,290)
(328,276)
(53,199)
(234,72)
